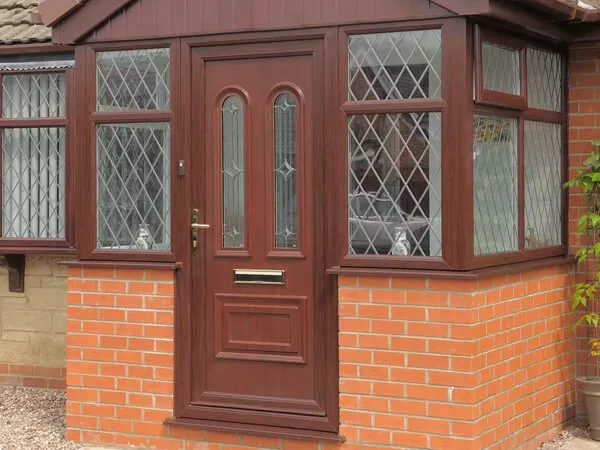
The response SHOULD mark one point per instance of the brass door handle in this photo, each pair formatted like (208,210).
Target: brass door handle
(200,226)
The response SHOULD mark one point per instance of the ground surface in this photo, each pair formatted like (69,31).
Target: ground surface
(33,419)
(573,438)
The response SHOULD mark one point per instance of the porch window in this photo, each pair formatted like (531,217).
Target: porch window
(34,119)
(133,156)
(394,156)
(518,145)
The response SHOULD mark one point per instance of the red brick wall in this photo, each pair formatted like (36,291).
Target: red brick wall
(423,362)
(584,126)
(32,376)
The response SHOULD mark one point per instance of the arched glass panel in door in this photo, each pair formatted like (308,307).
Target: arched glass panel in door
(232,172)
(285,126)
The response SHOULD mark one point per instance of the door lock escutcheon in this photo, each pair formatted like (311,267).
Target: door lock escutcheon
(195,228)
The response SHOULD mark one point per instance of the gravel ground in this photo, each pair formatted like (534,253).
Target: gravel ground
(564,439)
(33,419)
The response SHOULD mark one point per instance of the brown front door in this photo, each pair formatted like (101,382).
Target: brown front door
(258,314)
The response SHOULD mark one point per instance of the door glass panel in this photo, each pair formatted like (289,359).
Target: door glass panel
(232,171)
(286,225)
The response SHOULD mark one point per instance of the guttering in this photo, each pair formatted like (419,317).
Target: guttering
(566,12)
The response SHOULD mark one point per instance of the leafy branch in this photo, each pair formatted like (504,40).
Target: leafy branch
(584,296)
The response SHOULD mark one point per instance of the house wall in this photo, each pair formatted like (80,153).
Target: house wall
(33,325)
(584,126)
(424,363)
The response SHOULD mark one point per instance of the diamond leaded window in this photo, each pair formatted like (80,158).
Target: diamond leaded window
(133,159)
(394,158)
(518,147)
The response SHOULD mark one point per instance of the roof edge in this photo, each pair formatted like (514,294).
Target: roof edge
(564,11)
(52,11)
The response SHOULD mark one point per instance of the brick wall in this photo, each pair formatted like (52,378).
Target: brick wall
(33,325)
(424,363)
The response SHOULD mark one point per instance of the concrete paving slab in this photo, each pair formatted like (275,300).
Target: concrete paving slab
(581,444)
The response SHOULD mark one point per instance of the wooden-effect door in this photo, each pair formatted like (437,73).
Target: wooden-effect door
(258,302)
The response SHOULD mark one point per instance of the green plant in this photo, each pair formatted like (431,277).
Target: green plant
(585,293)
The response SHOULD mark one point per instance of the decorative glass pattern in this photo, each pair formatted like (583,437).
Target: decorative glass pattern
(33,183)
(501,68)
(285,125)
(395,184)
(545,79)
(27,96)
(132,80)
(232,116)
(543,184)
(391,66)
(133,186)
(495,184)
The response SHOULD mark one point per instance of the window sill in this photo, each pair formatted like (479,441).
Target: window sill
(455,274)
(260,430)
(37,250)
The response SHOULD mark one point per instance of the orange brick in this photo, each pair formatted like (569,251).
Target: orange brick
(158,275)
(159,302)
(165,289)
(422,424)
(409,283)
(374,282)
(113,286)
(119,426)
(141,316)
(129,274)
(354,295)
(95,299)
(92,409)
(134,287)
(128,412)
(130,301)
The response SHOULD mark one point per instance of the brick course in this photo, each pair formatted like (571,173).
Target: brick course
(424,363)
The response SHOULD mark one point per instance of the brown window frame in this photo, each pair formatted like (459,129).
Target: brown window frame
(9,245)
(453,41)
(460,98)
(497,98)
(506,107)
(88,119)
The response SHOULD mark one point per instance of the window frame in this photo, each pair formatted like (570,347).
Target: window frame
(453,38)
(457,103)
(40,245)
(504,105)
(88,120)
(496,98)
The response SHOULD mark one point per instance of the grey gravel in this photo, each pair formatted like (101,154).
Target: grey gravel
(571,438)
(33,419)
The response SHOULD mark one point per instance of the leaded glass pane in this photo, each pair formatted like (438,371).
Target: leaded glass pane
(495,184)
(27,96)
(545,79)
(33,183)
(392,66)
(286,226)
(133,186)
(395,205)
(543,184)
(232,135)
(133,80)
(501,68)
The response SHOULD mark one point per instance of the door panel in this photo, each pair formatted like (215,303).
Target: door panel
(258,303)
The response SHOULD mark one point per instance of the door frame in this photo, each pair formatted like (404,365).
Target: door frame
(323,43)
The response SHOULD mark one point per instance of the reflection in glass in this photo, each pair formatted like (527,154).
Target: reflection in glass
(495,184)
(133,182)
(394,66)
(395,205)
(232,171)
(285,111)
(543,184)
(501,69)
